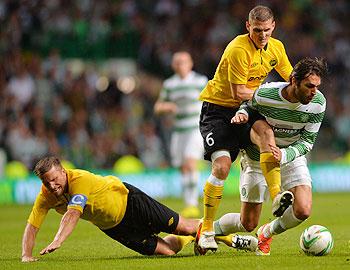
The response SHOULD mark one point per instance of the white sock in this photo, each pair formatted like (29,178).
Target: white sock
(215,181)
(190,188)
(229,223)
(287,221)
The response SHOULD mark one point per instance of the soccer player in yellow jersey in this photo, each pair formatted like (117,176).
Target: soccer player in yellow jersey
(119,209)
(245,63)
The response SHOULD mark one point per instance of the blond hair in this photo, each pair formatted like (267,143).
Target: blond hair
(261,13)
(45,164)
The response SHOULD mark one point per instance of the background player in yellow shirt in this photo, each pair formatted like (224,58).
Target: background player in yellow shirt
(120,210)
(245,63)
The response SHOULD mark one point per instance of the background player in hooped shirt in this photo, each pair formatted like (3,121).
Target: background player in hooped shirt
(179,96)
(120,210)
(295,111)
(245,63)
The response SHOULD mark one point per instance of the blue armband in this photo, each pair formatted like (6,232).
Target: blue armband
(78,200)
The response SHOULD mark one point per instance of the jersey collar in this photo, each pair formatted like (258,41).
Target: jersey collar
(265,47)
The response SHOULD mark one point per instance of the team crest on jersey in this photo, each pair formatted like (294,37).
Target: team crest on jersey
(273,62)
(304,118)
(254,65)
(244,192)
(170,221)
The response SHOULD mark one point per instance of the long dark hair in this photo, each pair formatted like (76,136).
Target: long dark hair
(308,66)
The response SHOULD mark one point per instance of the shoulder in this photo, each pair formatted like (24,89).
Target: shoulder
(276,47)
(241,40)
(169,82)
(319,99)
(75,174)
(276,42)
(270,87)
(200,77)
(241,44)
(269,91)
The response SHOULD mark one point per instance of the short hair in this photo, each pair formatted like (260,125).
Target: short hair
(307,66)
(261,13)
(45,164)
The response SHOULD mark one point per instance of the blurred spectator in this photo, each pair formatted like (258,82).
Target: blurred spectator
(51,104)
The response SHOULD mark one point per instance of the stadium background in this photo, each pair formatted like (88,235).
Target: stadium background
(78,79)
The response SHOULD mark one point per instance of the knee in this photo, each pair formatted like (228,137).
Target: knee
(221,169)
(166,252)
(188,229)
(302,213)
(187,226)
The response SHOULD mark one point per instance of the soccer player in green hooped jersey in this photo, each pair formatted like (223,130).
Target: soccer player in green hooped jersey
(295,111)
(179,96)
(120,210)
(245,63)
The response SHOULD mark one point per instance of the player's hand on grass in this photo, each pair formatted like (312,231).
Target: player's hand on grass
(27,259)
(50,248)
(239,118)
(277,154)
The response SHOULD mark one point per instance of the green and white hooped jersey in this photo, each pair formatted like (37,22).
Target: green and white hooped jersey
(184,93)
(295,125)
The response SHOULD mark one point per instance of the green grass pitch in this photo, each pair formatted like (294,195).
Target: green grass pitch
(88,248)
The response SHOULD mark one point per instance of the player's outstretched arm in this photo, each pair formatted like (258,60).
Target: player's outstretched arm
(67,225)
(28,242)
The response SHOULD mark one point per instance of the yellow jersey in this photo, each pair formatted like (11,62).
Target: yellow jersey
(101,199)
(243,63)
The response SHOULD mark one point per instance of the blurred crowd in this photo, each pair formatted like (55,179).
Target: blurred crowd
(48,108)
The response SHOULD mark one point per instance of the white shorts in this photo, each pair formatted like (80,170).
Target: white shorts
(187,144)
(253,187)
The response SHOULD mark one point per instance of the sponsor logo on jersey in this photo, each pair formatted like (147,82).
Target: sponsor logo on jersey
(284,130)
(273,62)
(78,200)
(259,78)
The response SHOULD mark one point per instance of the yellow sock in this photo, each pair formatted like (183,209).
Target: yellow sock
(272,173)
(184,240)
(212,197)
(226,239)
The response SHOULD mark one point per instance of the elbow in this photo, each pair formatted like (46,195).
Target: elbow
(74,213)
(239,96)
(156,108)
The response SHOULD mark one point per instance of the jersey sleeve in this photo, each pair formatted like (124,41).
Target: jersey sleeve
(164,92)
(306,142)
(39,211)
(163,95)
(284,68)
(80,190)
(238,66)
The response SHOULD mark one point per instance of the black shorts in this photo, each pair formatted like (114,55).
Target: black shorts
(218,133)
(143,220)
